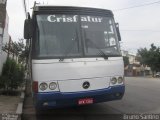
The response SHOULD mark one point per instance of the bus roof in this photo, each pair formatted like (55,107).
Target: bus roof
(72,10)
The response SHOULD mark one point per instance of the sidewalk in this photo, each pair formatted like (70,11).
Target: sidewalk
(8,104)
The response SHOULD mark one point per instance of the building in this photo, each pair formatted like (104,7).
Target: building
(124,52)
(132,57)
(134,68)
(4,35)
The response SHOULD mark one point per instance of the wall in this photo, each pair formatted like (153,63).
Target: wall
(3,1)
(4,39)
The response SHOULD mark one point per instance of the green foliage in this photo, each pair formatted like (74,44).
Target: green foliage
(126,60)
(17,49)
(12,75)
(3,81)
(150,57)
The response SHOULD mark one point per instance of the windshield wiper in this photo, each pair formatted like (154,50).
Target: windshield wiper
(101,52)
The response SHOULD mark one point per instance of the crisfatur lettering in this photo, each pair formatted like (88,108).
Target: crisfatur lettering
(74,18)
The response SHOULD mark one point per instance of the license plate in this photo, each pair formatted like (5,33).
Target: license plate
(85,101)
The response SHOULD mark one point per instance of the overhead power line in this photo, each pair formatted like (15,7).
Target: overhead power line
(127,30)
(136,6)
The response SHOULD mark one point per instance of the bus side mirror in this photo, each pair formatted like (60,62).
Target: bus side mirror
(28,29)
(118,33)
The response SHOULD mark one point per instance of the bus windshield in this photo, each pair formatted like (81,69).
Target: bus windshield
(75,36)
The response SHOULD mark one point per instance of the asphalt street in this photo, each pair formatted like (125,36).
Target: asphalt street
(142,96)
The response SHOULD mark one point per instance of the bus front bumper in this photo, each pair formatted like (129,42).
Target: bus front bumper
(51,100)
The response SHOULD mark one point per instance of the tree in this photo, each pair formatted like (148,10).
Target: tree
(126,60)
(17,49)
(150,57)
(13,71)
(12,75)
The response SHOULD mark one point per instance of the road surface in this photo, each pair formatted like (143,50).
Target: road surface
(142,95)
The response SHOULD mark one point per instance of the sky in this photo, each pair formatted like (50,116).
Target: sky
(139,27)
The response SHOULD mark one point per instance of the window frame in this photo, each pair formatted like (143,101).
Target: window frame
(34,52)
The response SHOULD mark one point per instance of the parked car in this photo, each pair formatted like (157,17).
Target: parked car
(157,74)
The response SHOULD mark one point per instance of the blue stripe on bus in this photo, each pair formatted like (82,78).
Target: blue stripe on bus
(55,99)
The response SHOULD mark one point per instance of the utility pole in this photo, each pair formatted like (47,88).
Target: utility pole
(25,8)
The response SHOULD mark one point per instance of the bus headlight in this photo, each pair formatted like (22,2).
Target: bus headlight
(43,86)
(113,81)
(53,85)
(120,80)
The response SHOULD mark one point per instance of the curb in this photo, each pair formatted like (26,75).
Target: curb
(20,106)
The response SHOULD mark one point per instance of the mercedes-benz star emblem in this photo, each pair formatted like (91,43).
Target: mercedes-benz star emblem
(86,85)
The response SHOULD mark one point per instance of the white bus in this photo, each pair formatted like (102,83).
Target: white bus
(75,56)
